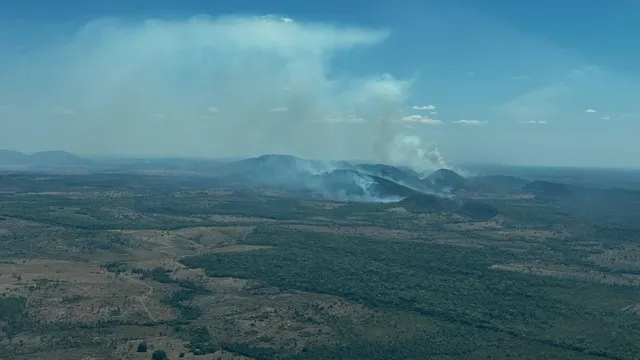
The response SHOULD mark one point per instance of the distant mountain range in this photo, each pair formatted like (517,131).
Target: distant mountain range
(344,180)
(338,180)
(46,159)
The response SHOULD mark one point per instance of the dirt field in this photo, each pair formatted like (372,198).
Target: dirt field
(79,292)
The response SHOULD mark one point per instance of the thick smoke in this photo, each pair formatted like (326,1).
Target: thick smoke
(214,87)
(411,150)
(401,149)
(348,185)
(392,146)
(329,180)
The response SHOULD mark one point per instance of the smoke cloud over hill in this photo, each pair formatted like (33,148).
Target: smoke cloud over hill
(229,86)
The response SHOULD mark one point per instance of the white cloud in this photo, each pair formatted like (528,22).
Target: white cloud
(421,120)
(471,73)
(276,18)
(213,109)
(424,107)
(519,77)
(533,122)
(606,118)
(433,113)
(279,109)
(469,122)
(590,111)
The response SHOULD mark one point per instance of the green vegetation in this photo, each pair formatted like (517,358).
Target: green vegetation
(188,291)
(478,211)
(201,341)
(159,355)
(447,283)
(12,317)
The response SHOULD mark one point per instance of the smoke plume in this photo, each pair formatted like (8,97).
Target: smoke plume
(236,86)
(411,150)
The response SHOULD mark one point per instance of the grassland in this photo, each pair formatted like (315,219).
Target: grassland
(93,266)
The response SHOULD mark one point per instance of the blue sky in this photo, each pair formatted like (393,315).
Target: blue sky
(551,83)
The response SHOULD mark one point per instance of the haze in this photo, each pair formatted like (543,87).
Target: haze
(403,86)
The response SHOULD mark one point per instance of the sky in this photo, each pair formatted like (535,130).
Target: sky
(421,83)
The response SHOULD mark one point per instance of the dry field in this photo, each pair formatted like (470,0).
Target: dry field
(79,292)
(366,231)
(625,257)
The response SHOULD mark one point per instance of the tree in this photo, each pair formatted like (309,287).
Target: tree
(142,347)
(159,355)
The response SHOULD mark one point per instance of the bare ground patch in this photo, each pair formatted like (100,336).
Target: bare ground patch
(239,248)
(475,225)
(273,319)
(633,308)
(239,219)
(625,257)
(399,211)
(224,285)
(440,237)
(323,205)
(527,234)
(370,231)
(172,244)
(12,223)
(70,291)
(570,272)
(492,196)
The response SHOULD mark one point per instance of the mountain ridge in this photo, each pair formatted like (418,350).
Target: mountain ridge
(50,158)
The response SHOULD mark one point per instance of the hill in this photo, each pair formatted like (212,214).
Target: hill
(390,172)
(12,158)
(42,159)
(271,168)
(326,179)
(344,184)
(57,158)
(444,180)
